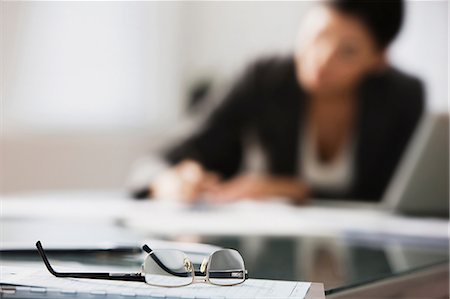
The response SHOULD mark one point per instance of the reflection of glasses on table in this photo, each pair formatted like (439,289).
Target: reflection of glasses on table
(172,268)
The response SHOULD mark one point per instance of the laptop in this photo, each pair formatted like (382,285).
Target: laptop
(420,184)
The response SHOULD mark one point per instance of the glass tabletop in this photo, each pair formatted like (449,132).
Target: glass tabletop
(339,262)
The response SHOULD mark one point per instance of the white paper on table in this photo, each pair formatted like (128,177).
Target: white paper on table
(252,288)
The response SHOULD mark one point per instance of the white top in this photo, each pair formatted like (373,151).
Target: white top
(336,175)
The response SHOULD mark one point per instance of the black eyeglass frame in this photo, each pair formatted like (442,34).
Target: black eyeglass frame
(90,275)
(139,276)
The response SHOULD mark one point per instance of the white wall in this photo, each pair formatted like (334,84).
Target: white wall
(223,36)
(84,65)
(79,79)
(422,48)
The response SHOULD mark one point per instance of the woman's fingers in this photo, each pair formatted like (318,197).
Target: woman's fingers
(210,181)
(238,188)
(186,182)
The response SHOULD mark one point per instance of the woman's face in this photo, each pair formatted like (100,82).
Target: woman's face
(334,52)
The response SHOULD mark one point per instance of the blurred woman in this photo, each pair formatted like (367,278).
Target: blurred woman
(332,119)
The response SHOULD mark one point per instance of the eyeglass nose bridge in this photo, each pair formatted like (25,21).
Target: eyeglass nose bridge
(203,269)
(200,279)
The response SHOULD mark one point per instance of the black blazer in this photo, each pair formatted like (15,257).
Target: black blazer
(268,100)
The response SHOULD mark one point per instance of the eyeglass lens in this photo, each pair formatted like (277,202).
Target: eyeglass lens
(226,267)
(170,268)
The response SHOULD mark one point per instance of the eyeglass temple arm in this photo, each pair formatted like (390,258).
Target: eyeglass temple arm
(147,249)
(91,275)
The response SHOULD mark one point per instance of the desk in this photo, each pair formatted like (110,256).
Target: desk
(244,218)
(307,244)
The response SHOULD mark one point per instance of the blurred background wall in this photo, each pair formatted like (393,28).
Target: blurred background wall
(87,87)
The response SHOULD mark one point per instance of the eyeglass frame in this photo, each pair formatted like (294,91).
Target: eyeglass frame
(139,276)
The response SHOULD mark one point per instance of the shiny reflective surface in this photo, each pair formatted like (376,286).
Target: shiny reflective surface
(338,262)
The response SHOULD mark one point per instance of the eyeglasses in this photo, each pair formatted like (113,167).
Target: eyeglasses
(172,268)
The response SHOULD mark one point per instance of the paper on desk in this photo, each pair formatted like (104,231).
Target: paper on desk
(252,288)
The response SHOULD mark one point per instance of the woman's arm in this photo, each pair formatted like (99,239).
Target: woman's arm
(259,187)
(217,146)
(215,150)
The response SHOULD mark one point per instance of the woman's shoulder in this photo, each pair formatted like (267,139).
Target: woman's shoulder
(401,79)
(396,93)
(396,87)
(274,62)
(397,81)
(273,70)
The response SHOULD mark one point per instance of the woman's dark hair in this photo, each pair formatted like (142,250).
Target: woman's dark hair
(383,18)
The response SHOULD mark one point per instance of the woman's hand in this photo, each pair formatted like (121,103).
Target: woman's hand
(185,181)
(258,187)
(188,181)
